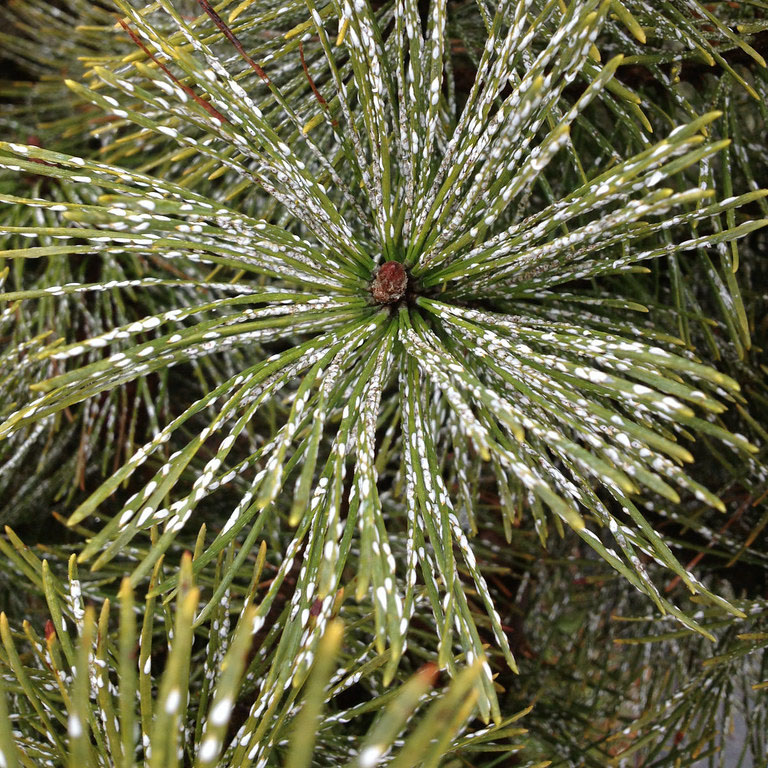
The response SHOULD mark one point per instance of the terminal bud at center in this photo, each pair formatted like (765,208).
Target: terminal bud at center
(389,283)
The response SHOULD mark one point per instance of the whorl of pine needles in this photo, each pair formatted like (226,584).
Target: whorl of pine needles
(307,277)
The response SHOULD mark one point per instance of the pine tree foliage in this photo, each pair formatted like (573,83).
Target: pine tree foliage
(312,279)
(654,693)
(70,690)
(41,111)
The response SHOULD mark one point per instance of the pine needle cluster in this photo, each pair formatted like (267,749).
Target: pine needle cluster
(385,350)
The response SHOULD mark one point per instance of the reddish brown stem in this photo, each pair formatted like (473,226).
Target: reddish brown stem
(230,35)
(318,95)
(202,102)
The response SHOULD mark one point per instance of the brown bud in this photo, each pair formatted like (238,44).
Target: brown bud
(390,283)
(428,672)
